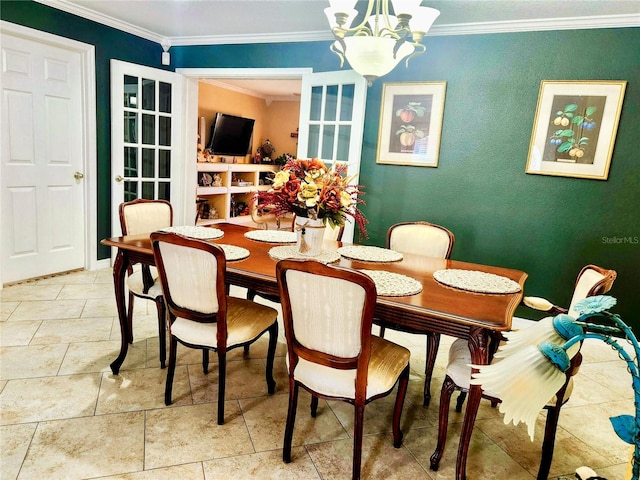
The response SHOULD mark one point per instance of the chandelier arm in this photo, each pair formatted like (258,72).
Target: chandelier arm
(361,25)
(338,52)
(419,49)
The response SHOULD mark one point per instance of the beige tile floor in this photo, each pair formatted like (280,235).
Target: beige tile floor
(64,415)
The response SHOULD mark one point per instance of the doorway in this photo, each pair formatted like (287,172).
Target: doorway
(47,202)
(331,139)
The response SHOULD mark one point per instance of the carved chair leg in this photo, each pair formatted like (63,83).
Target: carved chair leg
(397,410)
(222,376)
(448,388)
(550,427)
(173,346)
(291,419)
(205,361)
(314,406)
(130,317)
(271,353)
(460,401)
(433,342)
(162,330)
(357,441)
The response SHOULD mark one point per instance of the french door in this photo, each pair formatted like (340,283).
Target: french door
(146,137)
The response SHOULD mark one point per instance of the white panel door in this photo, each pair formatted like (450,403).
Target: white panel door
(332,108)
(42,182)
(146,137)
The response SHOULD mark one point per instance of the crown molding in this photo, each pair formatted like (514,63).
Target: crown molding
(103,19)
(538,25)
(573,23)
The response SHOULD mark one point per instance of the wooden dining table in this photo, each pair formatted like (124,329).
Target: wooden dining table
(438,308)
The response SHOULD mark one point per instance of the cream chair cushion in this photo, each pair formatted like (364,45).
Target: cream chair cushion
(331,233)
(136,285)
(386,363)
(420,239)
(246,320)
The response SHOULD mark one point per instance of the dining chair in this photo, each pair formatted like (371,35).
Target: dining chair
(592,280)
(431,240)
(201,314)
(457,378)
(331,353)
(138,217)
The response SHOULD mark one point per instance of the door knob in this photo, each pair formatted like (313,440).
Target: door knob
(78,175)
(119,178)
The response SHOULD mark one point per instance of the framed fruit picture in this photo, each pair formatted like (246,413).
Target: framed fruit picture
(575,128)
(411,123)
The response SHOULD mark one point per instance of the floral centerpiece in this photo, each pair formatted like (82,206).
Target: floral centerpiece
(311,190)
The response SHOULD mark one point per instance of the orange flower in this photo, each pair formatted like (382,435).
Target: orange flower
(330,198)
(290,189)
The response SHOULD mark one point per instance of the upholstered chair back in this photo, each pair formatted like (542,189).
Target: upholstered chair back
(592,280)
(334,234)
(327,313)
(145,216)
(191,277)
(421,238)
(193,282)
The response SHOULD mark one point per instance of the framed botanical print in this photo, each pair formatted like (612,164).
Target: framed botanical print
(411,123)
(575,128)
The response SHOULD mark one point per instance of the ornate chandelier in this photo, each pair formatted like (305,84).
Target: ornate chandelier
(375,46)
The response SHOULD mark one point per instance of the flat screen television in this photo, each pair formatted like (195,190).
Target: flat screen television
(230,135)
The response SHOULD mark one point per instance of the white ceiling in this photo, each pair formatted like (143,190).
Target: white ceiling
(206,22)
(200,22)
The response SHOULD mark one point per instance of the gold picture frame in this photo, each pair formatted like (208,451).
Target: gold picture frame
(575,128)
(411,123)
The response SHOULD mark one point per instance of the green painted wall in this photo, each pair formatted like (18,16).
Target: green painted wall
(547,226)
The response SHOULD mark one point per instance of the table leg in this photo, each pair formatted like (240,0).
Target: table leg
(119,272)
(478,346)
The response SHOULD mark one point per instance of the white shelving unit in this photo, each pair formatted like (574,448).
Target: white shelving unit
(239,182)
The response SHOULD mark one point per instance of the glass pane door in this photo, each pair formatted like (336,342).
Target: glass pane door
(147,138)
(332,119)
(146,109)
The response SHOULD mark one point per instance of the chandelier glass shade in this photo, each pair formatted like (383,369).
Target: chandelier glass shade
(382,39)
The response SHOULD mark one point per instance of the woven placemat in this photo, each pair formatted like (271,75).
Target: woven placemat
(271,236)
(233,253)
(369,254)
(474,281)
(203,233)
(390,284)
(291,251)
